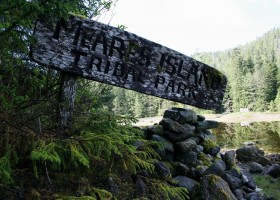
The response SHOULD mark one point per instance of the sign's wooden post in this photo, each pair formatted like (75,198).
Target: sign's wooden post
(66,100)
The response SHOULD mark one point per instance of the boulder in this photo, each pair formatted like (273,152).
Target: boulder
(188,158)
(229,159)
(255,168)
(198,149)
(234,172)
(181,169)
(140,187)
(248,180)
(233,182)
(214,187)
(239,193)
(248,153)
(210,147)
(200,118)
(218,168)
(274,171)
(204,135)
(191,185)
(206,124)
(156,129)
(199,171)
(162,170)
(185,146)
(264,161)
(176,132)
(167,153)
(181,115)
(252,196)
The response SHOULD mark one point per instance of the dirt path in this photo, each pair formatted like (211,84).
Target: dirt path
(227,118)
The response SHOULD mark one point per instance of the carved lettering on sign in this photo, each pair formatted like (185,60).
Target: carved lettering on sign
(102,53)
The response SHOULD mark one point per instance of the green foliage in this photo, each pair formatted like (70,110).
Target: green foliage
(269,185)
(253,73)
(5,170)
(208,144)
(163,190)
(205,160)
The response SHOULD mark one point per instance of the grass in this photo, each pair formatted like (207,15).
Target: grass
(270,186)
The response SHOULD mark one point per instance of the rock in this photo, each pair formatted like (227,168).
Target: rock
(214,187)
(248,153)
(206,124)
(191,185)
(176,132)
(113,186)
(198,149)
(251,195)
(140,187)
(205,160)
(274,171)
(234,172)
(196,139)
(156,129)
(248,180)
(210,146)
(189,158)
(162,170)
(181,169)
(185,146)
(204,135)
(247,190)
(214,150)
(199,171)
(229,159)
(255,168)
(239,193)
(264,161)
(218,168)
(167,153)
(233,182)
(200,118)
(181,115)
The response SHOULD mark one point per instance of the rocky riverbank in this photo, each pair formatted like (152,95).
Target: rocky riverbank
(192,158)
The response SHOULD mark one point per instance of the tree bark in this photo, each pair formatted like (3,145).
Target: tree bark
(66,99)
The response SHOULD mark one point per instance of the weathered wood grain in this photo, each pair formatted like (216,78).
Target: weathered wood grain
(109,55)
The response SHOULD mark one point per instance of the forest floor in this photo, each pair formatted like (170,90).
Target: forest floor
(224,117)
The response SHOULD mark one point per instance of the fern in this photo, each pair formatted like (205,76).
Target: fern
(78,155)
(162,190)
(5,171)
(46,152)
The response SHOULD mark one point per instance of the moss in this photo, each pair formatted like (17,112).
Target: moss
(269,185)
(213,179)
(208,144)
(205,159)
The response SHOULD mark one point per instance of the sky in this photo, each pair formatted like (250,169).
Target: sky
(191,26)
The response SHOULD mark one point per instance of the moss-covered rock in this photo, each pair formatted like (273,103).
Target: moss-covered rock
(215,188)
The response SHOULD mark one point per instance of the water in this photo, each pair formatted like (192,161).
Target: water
(265,135)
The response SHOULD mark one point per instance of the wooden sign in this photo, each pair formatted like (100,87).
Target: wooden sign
(109,55)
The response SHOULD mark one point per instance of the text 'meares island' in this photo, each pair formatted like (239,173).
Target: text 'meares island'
(99,52)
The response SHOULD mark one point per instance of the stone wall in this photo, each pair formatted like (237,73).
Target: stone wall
(192,158)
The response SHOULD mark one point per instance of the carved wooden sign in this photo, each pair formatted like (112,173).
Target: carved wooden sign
(109,55)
